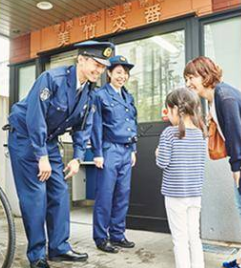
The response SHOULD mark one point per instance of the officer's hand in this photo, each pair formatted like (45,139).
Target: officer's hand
(133,159)
(99,162)
(72,167)
(44,168)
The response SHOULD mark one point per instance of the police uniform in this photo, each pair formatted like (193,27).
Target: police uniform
(52,106)
(114,138)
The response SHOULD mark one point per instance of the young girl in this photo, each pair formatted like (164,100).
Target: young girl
(181,155)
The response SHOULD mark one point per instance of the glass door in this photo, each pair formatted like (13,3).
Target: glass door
(159,54)
(159,61)
(221,42)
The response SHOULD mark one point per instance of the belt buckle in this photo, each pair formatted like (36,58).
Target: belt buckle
(127,145)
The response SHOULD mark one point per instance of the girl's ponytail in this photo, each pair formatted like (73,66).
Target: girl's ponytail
(188,103)
(181,125)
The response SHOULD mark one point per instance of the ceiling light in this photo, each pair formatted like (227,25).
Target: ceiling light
(44,5)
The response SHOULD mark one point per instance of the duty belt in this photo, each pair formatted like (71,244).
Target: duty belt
(8,127)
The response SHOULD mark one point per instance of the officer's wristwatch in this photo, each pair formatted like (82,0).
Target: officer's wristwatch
(78,160)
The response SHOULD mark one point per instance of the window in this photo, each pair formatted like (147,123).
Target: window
(222,41)
(159,63)
(27,75)
(65,59)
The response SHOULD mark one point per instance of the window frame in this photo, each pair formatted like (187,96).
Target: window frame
(14,79)
(212,18)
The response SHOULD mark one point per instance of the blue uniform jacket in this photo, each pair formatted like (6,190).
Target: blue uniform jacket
(115,120)
(228,109)
(51,107)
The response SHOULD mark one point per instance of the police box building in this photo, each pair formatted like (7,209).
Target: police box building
(159,37)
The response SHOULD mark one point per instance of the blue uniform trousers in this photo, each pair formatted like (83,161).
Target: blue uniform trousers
(41,202)
(112,194)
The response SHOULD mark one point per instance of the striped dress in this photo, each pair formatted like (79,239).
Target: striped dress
(182,162)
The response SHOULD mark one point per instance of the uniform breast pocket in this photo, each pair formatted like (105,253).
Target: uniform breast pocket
(113,110)
(133,109)
(57,112)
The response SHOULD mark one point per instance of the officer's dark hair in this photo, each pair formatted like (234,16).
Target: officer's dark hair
(110,69)
(187,103)
(77,57)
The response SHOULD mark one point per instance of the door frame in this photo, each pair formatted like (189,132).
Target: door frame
(143,215)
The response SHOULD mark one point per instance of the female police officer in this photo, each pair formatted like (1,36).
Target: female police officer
(113,140)
(59,99)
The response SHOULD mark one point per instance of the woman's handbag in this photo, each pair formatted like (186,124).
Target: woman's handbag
(216,144)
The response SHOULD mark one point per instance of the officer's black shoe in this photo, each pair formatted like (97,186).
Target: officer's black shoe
(42,263)
(106,247)
(124,243)
(71,255)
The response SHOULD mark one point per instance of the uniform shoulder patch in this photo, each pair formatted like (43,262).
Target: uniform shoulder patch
(44,94)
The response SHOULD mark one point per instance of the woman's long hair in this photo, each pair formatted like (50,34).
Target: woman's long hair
(188,103)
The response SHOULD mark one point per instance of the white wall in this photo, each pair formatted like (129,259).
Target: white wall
(4,78)
(4,103)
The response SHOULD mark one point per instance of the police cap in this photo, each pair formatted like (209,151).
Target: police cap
(120,60)
(99,51)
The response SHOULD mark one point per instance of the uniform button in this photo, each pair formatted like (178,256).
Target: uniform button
(58,108)
(129,139)
(59,128)
(127,146)
(67,120)
(127,110)
(127,119)
(112,104)
(129,129)
(68,71)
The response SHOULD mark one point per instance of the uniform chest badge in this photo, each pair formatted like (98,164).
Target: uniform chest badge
(44,94)
(93,108)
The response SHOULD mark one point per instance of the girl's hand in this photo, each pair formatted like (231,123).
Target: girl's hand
(208,118)
(156,152)
(44,168)
(72,167)
(99,162)
(133,159)
(236,176)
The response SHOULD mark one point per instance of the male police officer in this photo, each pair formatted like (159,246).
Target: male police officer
(59,99)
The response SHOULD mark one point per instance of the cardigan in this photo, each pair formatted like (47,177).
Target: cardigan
(228,109)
